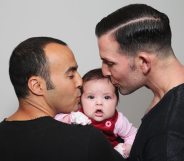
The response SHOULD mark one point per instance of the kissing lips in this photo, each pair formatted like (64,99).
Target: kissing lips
(114,83)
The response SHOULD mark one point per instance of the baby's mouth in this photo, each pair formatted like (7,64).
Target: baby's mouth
(99,113)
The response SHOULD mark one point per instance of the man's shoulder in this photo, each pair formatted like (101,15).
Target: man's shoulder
(86,130)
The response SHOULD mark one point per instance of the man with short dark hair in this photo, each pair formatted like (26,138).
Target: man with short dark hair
(135,48)
(43,72)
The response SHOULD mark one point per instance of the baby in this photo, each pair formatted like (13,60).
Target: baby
(99,101)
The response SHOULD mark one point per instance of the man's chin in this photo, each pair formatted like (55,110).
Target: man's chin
(124,92)
(76,107)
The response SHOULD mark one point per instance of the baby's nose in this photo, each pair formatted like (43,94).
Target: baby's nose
(99,101)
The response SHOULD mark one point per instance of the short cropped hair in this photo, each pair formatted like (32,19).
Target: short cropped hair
(29,59)
(138,27)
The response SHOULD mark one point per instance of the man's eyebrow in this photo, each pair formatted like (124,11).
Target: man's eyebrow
(71,69)
(105,60)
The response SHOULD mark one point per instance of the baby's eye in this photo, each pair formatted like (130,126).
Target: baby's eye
(107,97)
(90,97)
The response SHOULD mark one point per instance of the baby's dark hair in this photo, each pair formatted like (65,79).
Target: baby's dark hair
(96,74)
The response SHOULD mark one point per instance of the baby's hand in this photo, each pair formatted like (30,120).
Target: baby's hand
(66,118)
(123,149)
(79,118)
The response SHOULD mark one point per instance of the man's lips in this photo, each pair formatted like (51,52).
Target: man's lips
(79,99)
(114,83)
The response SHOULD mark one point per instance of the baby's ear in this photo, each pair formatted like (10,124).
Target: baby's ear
(36,85)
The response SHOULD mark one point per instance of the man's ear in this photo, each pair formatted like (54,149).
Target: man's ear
(144,62)
(36,85)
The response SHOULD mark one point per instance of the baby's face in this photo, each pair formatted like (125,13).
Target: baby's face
(99,99)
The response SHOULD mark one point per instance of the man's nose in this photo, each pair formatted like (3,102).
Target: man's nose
(79,81)
(105,70)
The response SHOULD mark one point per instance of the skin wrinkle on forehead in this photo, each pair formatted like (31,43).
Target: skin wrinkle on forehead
(132,22)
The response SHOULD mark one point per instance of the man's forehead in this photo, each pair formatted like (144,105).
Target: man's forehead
(58,51)
(56,48)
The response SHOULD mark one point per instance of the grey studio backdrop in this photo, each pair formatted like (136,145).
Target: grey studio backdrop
(74,22)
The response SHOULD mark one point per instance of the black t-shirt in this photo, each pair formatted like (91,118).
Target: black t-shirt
(46,139)
(161,134)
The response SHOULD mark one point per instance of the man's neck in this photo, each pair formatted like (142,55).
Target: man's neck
(163,77)
(30,109)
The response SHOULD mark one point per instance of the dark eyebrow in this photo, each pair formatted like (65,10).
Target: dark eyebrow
(71,69)
(105,60)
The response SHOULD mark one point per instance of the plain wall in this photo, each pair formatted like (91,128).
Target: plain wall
(74,22)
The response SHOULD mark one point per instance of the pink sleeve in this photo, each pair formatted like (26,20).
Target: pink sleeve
(125,129)
(73,118)
(66,118)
